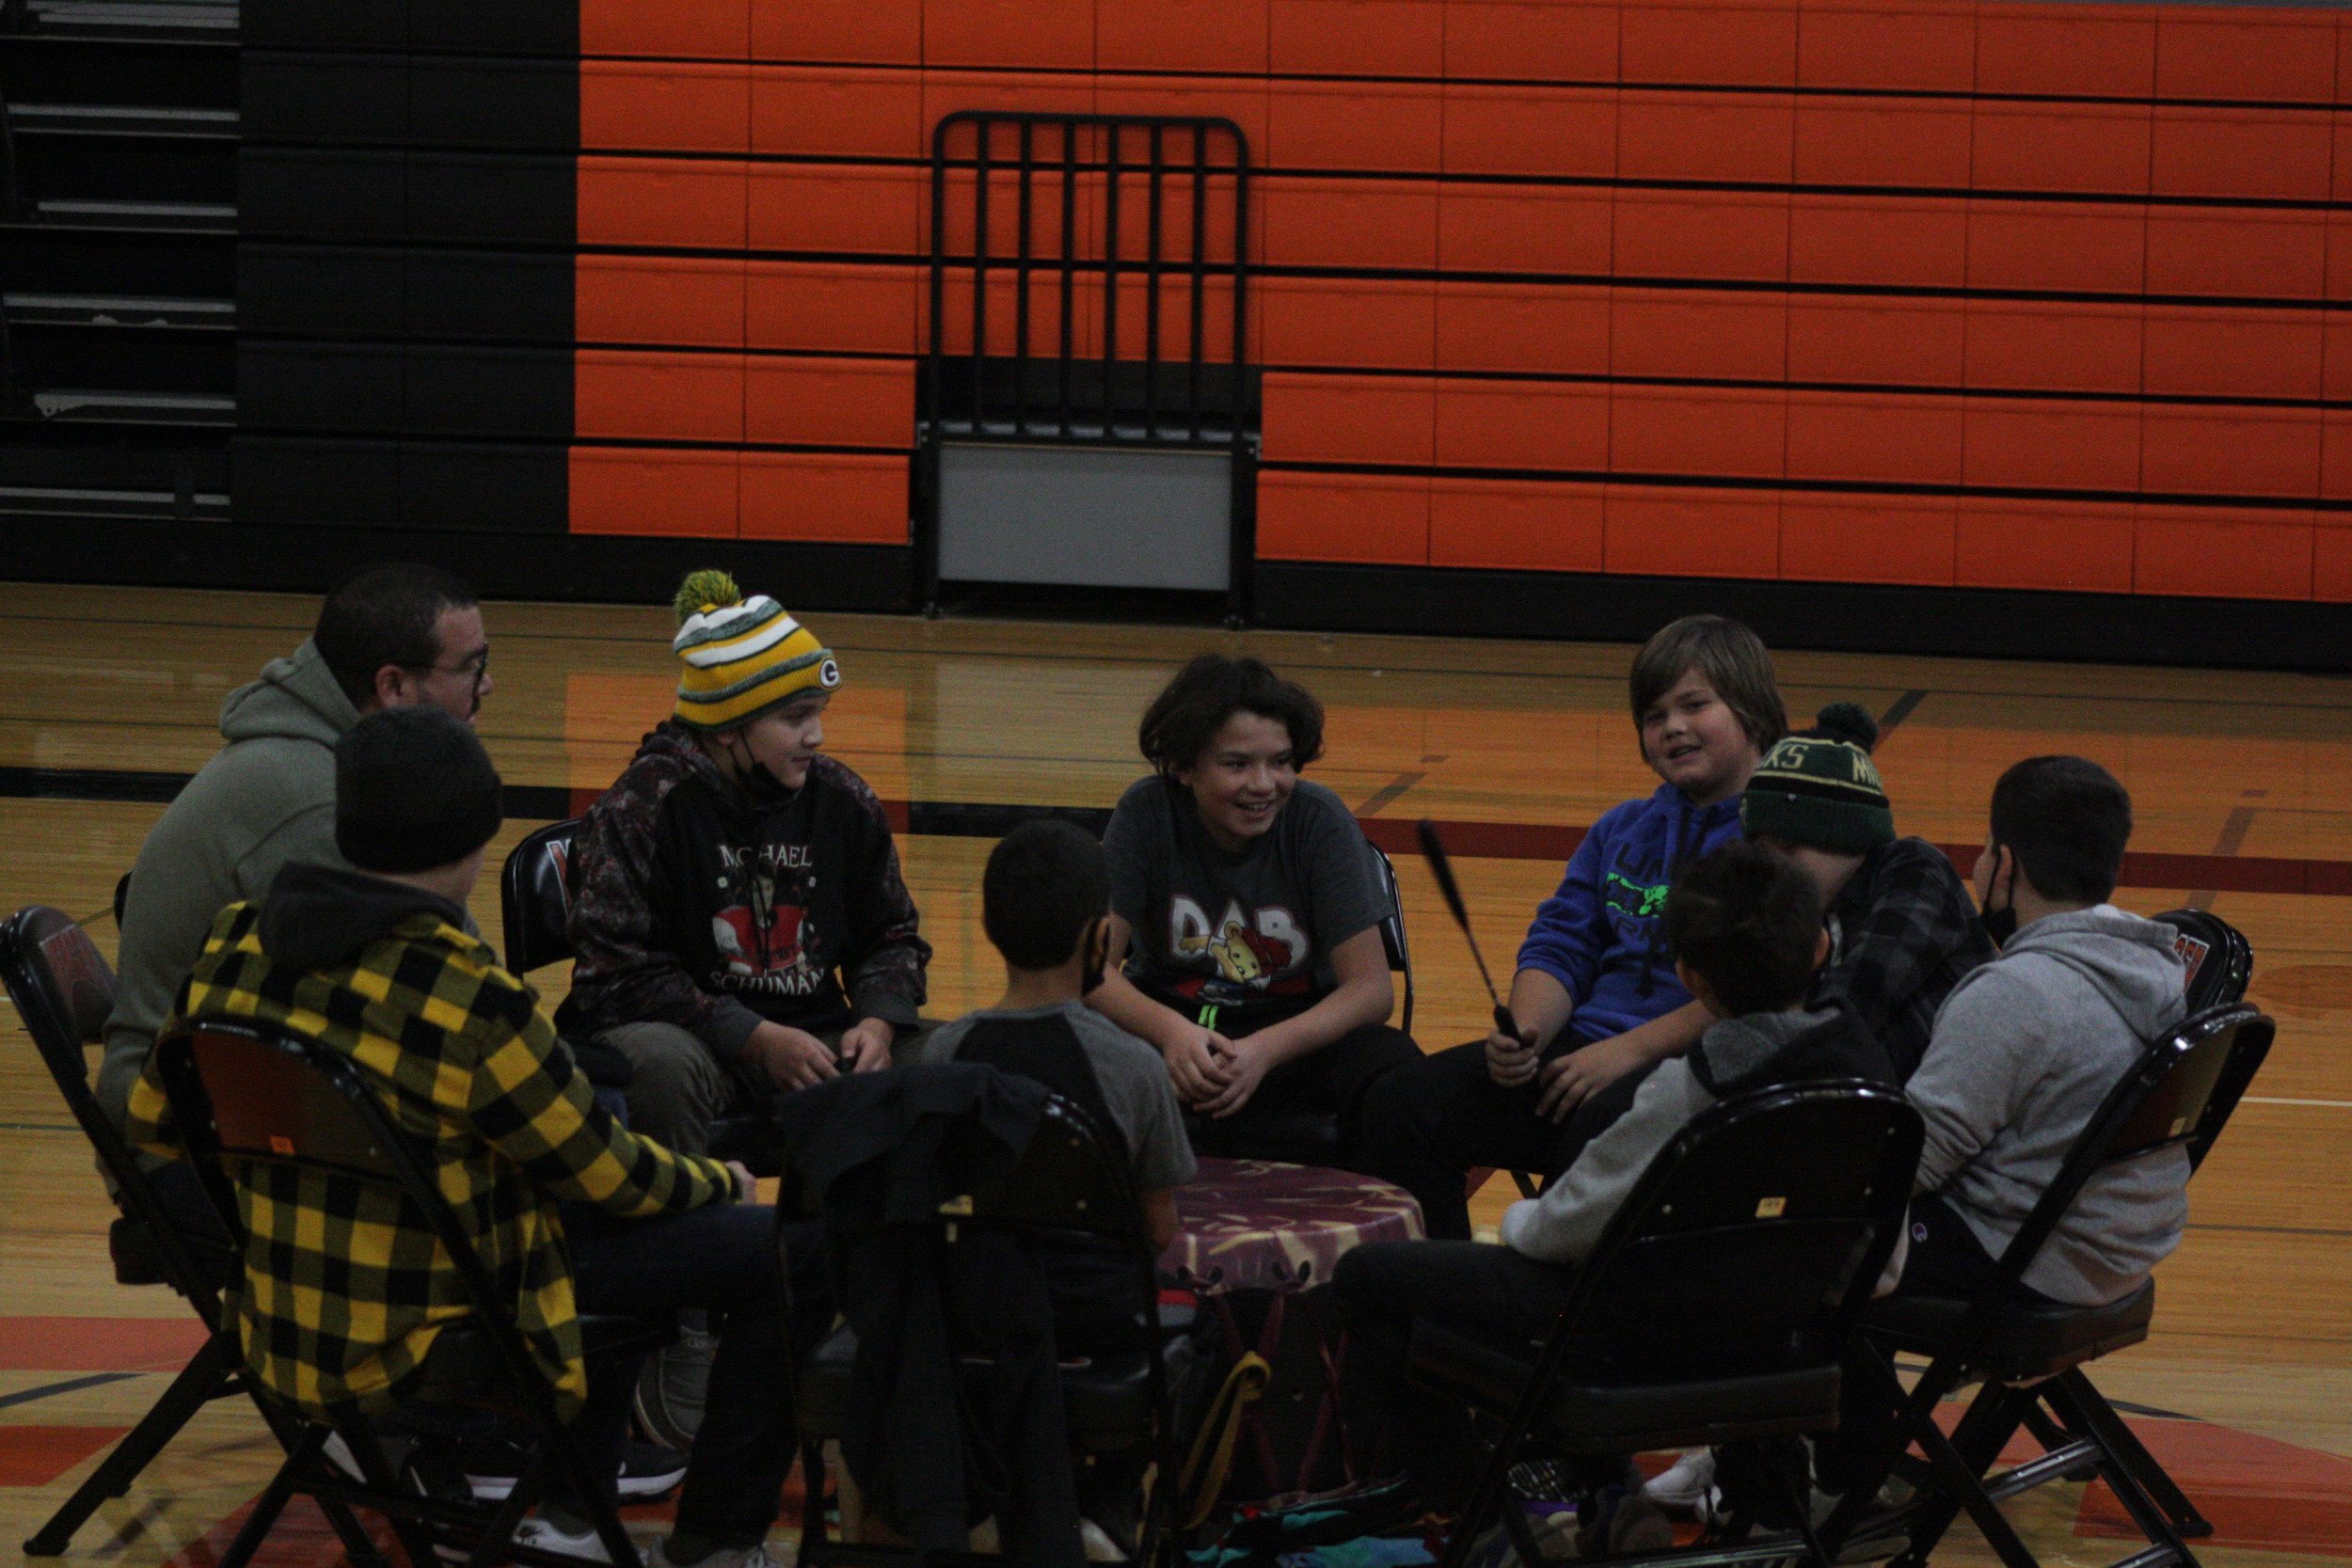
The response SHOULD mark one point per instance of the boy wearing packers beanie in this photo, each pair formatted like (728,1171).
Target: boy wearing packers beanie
(1901,928)
(739,921)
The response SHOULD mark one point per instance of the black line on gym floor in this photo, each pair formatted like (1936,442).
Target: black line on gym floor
(1388,792)
(27,1396)
(2232,838)
(1899,710)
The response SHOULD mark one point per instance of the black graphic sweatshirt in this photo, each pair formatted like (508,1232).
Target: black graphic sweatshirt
(695,903)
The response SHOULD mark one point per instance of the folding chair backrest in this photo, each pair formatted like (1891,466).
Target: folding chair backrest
(1070,1182)
(1069,1178)
(535,898)
(2162,1102)
(1755,1233)
(64,993)
(2220,960)
(242,1093)
(1393,942)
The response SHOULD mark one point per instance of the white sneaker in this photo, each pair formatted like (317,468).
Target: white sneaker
(543,1533)
(1688,1485)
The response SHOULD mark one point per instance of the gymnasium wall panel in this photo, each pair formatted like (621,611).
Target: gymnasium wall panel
(2024,295)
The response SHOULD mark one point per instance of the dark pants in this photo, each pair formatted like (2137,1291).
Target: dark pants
(721,1259)
(1426,1126)
(1489,1292)
(1334,1080)
(1946,1260)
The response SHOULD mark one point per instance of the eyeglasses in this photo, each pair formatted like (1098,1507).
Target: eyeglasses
(474,668)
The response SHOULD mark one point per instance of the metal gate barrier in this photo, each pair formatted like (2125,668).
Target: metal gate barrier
(1087,413)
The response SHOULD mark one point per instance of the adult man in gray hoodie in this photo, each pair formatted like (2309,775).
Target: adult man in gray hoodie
(392,636)
(2025,1050)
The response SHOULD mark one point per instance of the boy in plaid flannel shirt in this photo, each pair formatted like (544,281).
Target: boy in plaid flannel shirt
(345,1289)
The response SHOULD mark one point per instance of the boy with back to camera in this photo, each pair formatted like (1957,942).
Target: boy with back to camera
(1743,926)
(1899,930)
(1595,998)
(1045,904)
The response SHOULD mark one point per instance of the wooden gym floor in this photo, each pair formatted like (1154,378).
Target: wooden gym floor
(2242,783)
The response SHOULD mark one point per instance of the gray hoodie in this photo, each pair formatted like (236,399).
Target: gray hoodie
(265,798)
(2024,1051)
(1735,1055)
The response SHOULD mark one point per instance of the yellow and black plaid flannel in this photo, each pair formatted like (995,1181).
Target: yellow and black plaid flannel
(346,1285)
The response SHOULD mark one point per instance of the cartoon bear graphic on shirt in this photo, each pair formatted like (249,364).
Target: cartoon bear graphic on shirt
(1261,953)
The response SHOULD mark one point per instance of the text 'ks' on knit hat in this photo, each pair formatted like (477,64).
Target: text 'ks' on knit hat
(413,790)
(743,656)
(1818,788)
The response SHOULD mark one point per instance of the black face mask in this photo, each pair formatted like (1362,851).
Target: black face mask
(759,779)
(2000,924)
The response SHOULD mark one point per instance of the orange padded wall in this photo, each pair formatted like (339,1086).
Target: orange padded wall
(2010,294)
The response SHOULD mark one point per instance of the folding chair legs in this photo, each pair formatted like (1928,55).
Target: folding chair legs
(272,1502)
(204,1377)
(2116,1436)
(2119,1475)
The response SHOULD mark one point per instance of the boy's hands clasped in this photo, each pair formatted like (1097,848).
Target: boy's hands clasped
(1215,1075)
(795,1059)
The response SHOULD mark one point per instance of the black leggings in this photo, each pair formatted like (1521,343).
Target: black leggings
(1332,1081)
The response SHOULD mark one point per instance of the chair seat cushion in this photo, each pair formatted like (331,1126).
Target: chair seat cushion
(1106,1400)
(2025,1339)
(1586,1416)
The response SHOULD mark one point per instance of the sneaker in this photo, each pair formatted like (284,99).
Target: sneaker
(1687,1483)
(1099,1546)
(649,1470)
(727,1557)
(544,1534)
(671,1390)
(338,1454)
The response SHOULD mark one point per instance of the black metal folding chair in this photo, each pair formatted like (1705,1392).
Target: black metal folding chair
(2220,966)
(535,898)
(2029,1354)
(64,993)
(1069,1182)
(243,1097)
(1393,930)
(1739,1263)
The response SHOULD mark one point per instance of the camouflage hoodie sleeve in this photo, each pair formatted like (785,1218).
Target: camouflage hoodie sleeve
(625,972)
(883,961)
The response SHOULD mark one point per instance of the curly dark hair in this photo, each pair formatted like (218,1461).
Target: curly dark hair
(1185,716)
(1749,921)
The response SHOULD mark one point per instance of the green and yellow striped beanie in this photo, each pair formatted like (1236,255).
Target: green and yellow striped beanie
(743,656)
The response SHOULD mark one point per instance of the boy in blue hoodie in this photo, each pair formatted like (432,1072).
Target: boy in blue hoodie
(1595,998)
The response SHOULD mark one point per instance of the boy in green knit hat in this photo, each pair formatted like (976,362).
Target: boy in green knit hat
(1901,928)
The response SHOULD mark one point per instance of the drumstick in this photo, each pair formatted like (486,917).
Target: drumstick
(1433,850)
